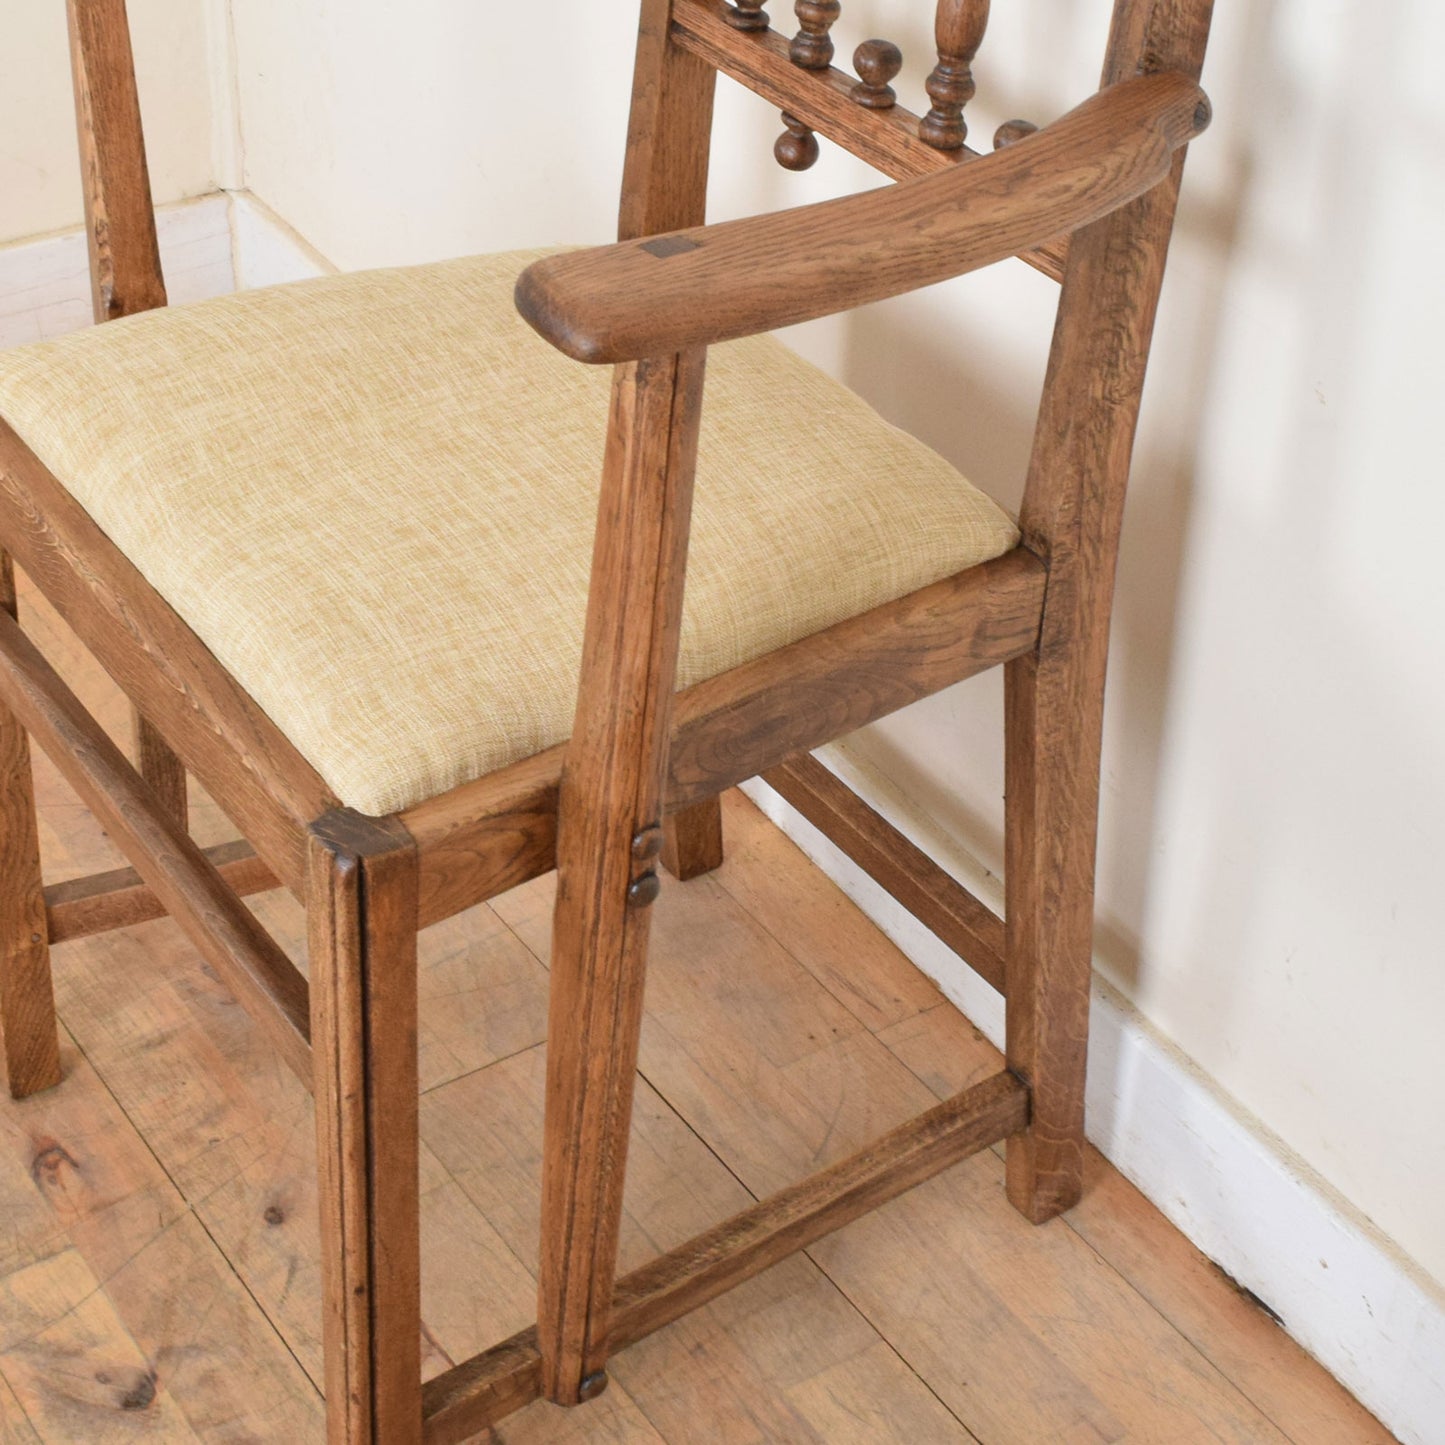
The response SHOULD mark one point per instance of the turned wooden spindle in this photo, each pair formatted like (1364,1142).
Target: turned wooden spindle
(797,148)
(1011,131)
(959,30)
(812,46)
(877,62)
(746,15)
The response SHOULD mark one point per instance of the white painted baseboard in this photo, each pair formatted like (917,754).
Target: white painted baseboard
(209,246)
(1361,1308)
(266,251)
(45,283)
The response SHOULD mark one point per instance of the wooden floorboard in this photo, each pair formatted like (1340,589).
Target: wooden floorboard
(158,1276)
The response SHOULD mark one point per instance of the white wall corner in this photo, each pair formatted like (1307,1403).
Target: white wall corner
(228,156)
(266,250)
(1343,1291)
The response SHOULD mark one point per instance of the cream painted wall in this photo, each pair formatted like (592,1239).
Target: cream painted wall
(1273,826)
(39,169)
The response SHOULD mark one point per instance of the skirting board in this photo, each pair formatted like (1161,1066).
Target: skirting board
(266,251)
(1362,1309)
(209,246)
(45,283)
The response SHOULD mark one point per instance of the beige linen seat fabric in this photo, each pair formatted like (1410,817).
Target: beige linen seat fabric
(372,497)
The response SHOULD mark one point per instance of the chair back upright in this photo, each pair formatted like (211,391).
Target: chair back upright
(125,261)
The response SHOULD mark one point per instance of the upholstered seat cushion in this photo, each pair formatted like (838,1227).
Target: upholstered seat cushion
(372,497)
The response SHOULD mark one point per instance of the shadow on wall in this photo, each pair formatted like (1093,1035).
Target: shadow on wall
(1272,790)
(952,397)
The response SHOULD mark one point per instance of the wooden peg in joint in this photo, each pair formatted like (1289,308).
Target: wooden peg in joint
(1011,131)
(812,46)
(877,63)
(797,147)
(746,15)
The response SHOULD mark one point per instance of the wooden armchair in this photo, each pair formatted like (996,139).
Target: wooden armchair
(332,540)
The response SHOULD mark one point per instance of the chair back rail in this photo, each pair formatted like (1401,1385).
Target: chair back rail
(795,73)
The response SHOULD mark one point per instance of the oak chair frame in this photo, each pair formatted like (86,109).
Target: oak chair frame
(1090,201)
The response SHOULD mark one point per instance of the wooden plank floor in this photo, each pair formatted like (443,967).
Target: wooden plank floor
(158,1276)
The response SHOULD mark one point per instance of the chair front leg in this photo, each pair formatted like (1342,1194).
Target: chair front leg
(27,997)
(361,928)
(609,836)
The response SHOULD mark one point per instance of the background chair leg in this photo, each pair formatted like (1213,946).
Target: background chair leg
(361,929)
(1052,730)
(27,997)
(694,840)
(162,769)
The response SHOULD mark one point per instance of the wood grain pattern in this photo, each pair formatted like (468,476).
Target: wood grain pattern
(958,32)
(120,898)
(27,996)
(824,101)
(481,839)
(735,725)
(163,771)
(738,278)
(669,132)
(703,1268)
(1153,35)
(611,790)
(480,1391)
(812,46)
(1053,699)
(694,840)
(935,899)
(237,752)
(362,936)
(746,15)
(877,63)
(125,261)
(214,919)
(1109,172)
(742,1362)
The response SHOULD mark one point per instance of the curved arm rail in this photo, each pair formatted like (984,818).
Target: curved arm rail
(659,295)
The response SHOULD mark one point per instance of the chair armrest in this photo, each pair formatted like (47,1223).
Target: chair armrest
(661,294)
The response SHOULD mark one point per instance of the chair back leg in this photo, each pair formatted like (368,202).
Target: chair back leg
(361,931)
(1054,697)
(1052,787)
(27,999)
(164,772)
(693,841)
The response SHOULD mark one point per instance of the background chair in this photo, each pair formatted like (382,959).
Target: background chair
(134,467)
